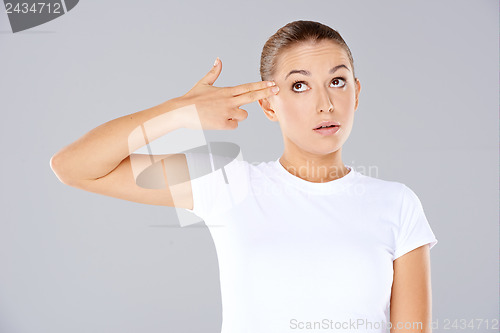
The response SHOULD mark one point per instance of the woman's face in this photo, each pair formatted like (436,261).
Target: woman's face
(315,94)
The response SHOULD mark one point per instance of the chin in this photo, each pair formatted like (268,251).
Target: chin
(324,149)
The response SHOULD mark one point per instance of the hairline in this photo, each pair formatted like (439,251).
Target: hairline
(313,41)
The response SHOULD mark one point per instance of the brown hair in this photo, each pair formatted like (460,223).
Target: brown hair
(292,34)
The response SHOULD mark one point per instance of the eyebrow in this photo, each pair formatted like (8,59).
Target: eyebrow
(304,72)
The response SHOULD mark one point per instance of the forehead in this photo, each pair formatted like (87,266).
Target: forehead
(308,55)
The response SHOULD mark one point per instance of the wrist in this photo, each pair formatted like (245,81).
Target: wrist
(182,112)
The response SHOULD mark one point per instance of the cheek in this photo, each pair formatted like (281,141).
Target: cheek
(291,112)
(343,97)
(351,95)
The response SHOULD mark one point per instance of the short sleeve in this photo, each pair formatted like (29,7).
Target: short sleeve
(414,229)
(218,183)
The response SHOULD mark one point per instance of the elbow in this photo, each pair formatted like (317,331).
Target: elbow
(53,162)
(56,166)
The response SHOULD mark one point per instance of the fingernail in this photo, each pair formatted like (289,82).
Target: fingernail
(275,89)
(270,84)
(216,61)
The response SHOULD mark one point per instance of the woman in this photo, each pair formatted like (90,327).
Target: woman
(303,242)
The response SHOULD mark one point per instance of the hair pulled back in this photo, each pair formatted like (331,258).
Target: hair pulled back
(292,34)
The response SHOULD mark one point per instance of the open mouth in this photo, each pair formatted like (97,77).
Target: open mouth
(326,127)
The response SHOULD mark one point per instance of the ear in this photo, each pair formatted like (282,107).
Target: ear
(358,89)
(268,109)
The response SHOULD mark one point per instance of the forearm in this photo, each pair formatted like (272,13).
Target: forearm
(99,151)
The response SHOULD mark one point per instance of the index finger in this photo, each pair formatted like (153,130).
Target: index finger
(248,87)
(255,95)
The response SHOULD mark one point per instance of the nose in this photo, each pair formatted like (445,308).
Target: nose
(324,103)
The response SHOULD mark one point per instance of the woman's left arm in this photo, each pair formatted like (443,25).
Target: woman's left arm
(411,296)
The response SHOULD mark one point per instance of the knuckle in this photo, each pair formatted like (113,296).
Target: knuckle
(224,123)
(240,90)
(231,91)
(231,101)
(228,124)
(252,95)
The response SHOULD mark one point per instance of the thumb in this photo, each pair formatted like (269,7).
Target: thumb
(213,74)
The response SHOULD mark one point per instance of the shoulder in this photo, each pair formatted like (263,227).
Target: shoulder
(379,188)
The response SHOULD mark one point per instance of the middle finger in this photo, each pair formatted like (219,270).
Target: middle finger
(255,95)
(248,87)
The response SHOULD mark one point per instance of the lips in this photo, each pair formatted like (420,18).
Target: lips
(326,123)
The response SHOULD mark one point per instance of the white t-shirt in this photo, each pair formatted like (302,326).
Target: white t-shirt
(301,256)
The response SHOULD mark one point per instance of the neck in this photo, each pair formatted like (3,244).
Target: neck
(317,170)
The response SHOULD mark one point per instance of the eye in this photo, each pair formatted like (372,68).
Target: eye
(336,80)
(298,86)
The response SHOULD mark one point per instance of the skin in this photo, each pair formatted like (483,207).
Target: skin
(318,158)
(308,154)
(411,295)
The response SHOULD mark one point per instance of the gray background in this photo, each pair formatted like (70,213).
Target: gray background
(75,261)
